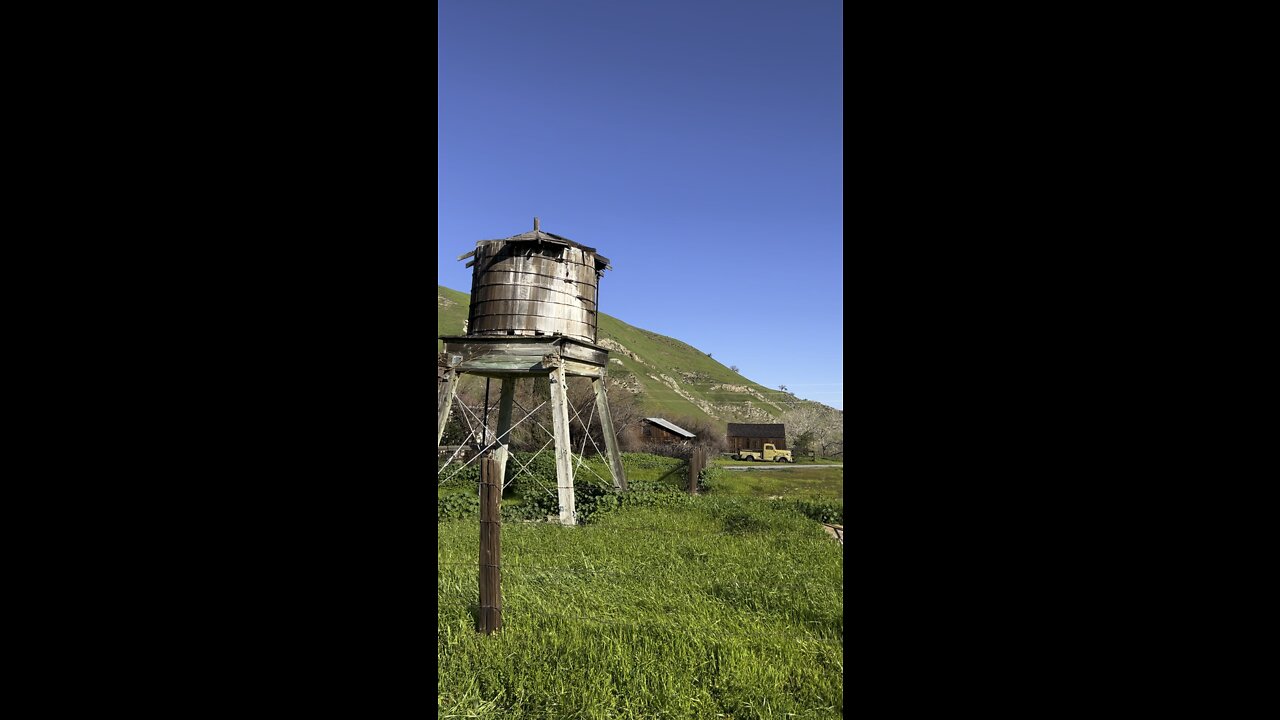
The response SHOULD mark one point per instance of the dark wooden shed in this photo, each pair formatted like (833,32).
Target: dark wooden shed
(659,430)
(752,436)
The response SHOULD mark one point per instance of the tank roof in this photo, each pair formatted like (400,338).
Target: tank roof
(543,237)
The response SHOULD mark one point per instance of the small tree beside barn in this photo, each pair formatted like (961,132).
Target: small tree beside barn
(753,436)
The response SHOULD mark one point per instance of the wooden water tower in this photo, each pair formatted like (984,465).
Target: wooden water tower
(534,314)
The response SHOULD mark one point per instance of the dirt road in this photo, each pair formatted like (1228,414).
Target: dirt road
(773,466)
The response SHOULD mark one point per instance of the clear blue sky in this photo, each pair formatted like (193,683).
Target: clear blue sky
(697,144)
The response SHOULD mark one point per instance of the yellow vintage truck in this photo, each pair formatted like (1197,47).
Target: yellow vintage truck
(768,454)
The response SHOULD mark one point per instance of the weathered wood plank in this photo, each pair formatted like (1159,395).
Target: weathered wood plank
(529,288)
(491,476)
(508,364)
(581,369)
(517,269)
(564,465)
(585,354)
(504,411)
(498,343)
(487,313)
(610,442)
(500,325)
(444,403)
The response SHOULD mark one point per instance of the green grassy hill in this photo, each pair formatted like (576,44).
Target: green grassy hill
(667,377)
(452,308)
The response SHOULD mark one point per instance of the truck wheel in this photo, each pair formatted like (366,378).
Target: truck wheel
(779,459)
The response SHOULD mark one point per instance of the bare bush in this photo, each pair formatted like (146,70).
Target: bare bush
(813,427)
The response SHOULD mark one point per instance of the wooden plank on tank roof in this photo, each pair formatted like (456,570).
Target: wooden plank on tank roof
(553,254)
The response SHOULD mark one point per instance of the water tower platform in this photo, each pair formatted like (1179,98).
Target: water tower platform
(499,356)
(510,358)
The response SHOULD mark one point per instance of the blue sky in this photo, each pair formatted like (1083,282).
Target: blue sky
(698,145)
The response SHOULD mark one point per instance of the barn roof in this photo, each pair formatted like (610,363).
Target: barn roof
(672,427)
(757,430)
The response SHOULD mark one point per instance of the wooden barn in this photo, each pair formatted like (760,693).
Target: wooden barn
(750,436)
(657,430)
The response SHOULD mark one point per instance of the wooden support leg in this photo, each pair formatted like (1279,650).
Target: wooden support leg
(504,423)
(444,402)
(610,441)
(564,460)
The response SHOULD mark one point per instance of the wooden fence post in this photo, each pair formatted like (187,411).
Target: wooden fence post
(490,616)
(696,461)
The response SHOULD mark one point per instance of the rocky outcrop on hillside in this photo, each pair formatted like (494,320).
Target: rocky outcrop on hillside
(615,346)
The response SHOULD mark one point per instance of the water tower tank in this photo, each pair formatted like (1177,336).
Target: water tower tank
(535,283)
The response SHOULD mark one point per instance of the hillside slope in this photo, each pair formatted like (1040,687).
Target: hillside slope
(668,377)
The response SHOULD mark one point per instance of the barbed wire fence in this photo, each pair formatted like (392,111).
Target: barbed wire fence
(524,574)
(476,418)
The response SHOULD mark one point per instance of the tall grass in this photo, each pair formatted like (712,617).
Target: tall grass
(717,607)
(790,481)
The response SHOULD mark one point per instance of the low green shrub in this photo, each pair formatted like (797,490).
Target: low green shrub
(825,510)
(643,493)
(648,461)
(708,476)
(458,474)
(457,507)
(740,515)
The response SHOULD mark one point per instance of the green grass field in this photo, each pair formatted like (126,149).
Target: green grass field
(722,608)
(792,481)
(668,606)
